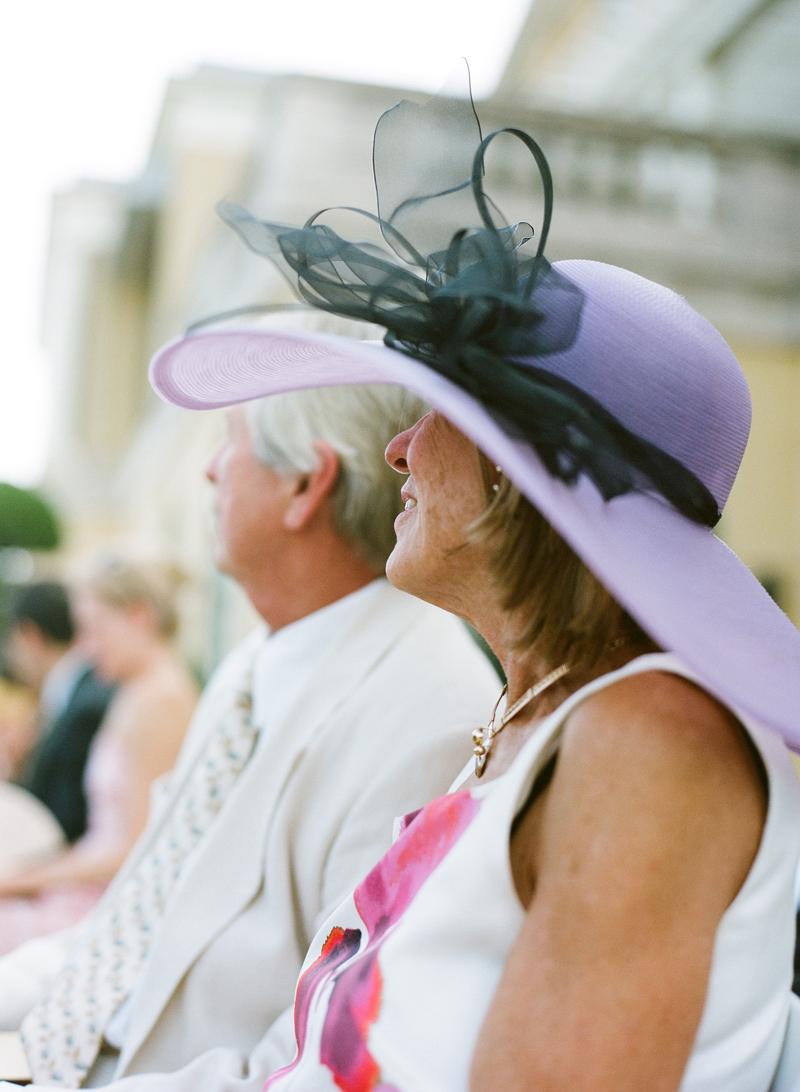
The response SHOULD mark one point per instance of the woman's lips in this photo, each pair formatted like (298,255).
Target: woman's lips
(409,504)
(407,497)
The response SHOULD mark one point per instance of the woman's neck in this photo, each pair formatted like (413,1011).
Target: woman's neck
(524,668)
(145,657)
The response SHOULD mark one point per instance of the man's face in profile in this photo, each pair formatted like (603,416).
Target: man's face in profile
(249,504)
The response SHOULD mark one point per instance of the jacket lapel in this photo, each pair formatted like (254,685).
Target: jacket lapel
(229,870)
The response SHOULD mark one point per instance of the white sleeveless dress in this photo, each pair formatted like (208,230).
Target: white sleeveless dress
(398,981)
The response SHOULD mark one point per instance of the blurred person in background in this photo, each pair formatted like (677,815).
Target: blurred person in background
(18,724)
(42,653)
(126,618)
(177,979)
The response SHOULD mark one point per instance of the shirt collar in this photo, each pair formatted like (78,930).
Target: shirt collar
(287,660)
(60,682)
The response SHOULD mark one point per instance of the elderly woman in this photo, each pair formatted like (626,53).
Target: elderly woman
(604,900)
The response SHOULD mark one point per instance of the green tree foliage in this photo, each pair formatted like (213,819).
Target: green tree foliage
(27,521)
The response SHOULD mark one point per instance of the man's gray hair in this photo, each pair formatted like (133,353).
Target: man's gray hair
(358,422)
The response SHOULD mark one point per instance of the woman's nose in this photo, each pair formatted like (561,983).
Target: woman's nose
(397,450)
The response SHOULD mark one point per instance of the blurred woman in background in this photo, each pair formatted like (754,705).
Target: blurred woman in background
(127,618)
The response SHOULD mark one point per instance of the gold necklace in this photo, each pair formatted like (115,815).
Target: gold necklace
(484,737)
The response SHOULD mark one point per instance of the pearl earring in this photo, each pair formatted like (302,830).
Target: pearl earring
(496,485)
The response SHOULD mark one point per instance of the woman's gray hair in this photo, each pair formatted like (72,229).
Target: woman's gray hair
(358,422)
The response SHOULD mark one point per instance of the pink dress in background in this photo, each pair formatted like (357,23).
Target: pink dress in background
(60,907)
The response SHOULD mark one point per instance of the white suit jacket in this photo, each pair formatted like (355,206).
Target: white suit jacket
(385,728)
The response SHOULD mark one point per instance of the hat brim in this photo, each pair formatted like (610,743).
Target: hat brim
(681,583)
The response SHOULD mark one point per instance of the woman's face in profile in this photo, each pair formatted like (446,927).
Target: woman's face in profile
(443,493)
(107,635)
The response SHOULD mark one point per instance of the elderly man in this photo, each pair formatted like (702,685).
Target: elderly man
(356,708)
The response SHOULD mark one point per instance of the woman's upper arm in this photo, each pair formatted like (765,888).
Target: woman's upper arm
(641,841)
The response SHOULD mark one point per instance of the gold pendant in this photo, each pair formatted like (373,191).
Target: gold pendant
(480,750)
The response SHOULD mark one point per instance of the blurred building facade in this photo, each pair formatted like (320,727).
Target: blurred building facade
(674,152)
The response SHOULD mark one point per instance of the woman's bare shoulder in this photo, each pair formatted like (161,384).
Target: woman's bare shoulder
(648,766)
(662,740)
(157,701)
(660,714)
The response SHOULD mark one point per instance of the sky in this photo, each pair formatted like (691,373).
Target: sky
(81,84)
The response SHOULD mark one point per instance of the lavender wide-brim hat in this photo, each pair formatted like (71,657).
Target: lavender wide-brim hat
(665,373)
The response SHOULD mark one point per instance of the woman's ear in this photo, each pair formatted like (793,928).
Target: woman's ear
(313,489)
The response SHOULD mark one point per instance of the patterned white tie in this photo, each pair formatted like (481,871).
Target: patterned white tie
(62,1036)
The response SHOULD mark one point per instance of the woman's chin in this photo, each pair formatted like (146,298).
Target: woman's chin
(405,573)
(394,568)
(400,569)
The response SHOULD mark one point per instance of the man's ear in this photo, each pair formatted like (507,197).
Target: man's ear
(312,489)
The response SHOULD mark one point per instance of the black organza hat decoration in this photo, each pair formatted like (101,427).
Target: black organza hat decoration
(479,306)
(615,408)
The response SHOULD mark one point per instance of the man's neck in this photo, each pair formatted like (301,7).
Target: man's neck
(281,606)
